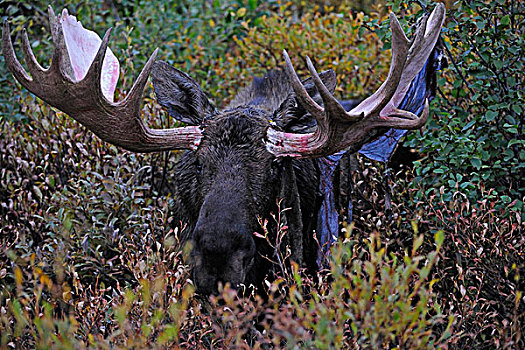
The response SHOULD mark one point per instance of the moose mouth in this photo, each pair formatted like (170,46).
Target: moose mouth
(223,261)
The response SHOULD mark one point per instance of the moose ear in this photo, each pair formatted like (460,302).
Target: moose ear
(292,117)
(180,94)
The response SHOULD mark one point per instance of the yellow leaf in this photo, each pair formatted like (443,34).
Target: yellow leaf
(241,12)
(66,292)
(18,276)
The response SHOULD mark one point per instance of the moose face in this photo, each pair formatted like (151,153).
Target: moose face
(233,178)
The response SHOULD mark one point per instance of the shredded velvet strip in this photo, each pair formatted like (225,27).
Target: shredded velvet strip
(380,150)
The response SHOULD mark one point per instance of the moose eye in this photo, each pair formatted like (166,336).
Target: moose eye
(198,166)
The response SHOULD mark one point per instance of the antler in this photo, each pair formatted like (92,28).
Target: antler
(338,129)
(83,99)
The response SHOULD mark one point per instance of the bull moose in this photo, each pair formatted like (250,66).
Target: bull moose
(268,143)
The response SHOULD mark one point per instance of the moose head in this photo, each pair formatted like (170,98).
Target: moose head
(265,144)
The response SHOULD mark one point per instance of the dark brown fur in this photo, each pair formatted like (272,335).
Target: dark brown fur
(231,181)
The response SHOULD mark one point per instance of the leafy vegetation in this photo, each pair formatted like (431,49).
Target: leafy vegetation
(476,140)
(89,251)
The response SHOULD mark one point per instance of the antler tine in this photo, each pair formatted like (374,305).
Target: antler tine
(10,58)
(133,99)
(94,72)
(426,35)
(59,47)
(436,18)
(32,64)
(420,41)
(300,92)
(401,119)
(427,32)
(400,46)
(400,49)
(332,107)
(420,32)
(52,23)
(55,27)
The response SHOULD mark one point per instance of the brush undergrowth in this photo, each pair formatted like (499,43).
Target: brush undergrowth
(89,257)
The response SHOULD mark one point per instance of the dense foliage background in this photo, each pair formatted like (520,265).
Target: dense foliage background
(89,252)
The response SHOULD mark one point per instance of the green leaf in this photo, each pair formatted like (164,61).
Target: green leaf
(480,25)
(490,115)
(67,222)
(469,125)
(513,129)
(439,238)
(476,162)
(38,192)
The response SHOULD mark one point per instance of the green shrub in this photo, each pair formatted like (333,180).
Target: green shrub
(368,299)
(476,138)
(365,299)
(480,267)
(335,40)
